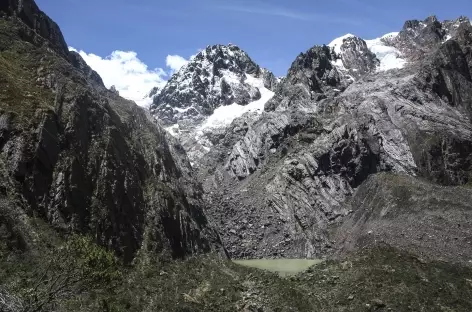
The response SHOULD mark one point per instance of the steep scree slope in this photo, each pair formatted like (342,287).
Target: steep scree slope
(413,215)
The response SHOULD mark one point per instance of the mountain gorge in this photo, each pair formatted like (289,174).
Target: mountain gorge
(361,157)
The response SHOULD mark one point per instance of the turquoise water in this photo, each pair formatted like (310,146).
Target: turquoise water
(282,266)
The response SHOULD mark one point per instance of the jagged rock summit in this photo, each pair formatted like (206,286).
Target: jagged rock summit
(214,77)
(218,84)
(391,51)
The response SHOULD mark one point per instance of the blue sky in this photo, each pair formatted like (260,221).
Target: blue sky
(273,32)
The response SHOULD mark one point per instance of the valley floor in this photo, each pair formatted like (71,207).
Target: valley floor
(379,279)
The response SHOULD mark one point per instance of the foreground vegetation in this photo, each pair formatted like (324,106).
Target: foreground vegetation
(78,275)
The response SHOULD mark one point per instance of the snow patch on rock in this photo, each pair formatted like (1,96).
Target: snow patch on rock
(338,42)
(389,57)
(223,116)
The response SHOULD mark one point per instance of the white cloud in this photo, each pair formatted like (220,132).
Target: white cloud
(175,62)
(131,77)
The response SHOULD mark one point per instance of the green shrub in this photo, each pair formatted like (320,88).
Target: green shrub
(96,264)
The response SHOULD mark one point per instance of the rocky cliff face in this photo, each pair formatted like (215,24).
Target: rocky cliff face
(417,38)
(400,103)
(353,56)
(37,22)
(219,84)
(84,159)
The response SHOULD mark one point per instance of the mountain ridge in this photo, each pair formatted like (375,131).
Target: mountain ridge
(323,133)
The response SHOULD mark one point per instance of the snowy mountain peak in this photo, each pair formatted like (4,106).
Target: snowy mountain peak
(352,56)
(219,84)
(230,49)
(357,56)
(418,38)
(338,42)
(216,76)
